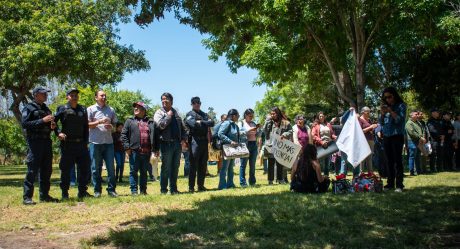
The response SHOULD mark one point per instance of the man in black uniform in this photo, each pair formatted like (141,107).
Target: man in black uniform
(37,121)
(437,134)
(198,124)
(74,142)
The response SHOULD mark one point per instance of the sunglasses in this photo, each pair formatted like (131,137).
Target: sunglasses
(196,103)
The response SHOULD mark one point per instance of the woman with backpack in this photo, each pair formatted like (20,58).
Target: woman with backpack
(229,134)
(306,175)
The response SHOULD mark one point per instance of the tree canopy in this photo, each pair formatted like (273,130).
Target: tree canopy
(63,41)
(356,46)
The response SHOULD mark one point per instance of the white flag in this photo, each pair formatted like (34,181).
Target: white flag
(352,141)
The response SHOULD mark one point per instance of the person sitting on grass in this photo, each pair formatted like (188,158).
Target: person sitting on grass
(306,177)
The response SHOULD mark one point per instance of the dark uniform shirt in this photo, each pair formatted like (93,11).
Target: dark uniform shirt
(199,131)
(32,121)
(74,123)
(436,129)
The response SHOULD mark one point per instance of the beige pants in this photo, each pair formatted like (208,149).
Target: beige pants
(368,160)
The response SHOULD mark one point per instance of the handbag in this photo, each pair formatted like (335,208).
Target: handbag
(323,152)
(425,149)
(235,151)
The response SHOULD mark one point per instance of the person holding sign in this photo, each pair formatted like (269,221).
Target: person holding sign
(323,135)
(306,175)
(279,125)
(229,134)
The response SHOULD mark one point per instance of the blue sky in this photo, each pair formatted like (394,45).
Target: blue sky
(180,65)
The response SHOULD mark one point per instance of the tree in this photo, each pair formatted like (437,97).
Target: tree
(280,38)
(62,41)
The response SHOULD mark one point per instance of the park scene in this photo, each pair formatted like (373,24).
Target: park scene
(229,124)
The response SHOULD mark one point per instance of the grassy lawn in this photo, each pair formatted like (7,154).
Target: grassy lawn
(426,215)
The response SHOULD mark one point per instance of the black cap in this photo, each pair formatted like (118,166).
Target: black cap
(434,109)
(40,89)
(72,90)
(195,100)
(142,104)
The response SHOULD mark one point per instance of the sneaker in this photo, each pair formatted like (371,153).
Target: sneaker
(243,185)
(113,194)
(191,190)
(398,190)
(28,201)
(97,194)
(85,194)
(48,198)
(72,184)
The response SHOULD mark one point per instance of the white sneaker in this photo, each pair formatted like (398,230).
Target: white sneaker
(398,190)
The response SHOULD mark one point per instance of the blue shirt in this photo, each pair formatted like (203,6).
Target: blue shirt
(394,126)
(228,132)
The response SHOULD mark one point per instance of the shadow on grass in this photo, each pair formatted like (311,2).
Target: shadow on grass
(418,218)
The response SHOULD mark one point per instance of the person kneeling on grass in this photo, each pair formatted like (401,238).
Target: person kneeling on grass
(306,177)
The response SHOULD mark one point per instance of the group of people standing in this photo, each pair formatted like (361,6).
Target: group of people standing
(166,135)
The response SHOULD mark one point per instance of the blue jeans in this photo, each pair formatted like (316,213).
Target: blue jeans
(99,152)
(227,169)
(170,160)
(265,162)
(325,163)
(120,161)
(344,165)
(186,155)
(138,163)
(73,174)
(414,157)
(252,147)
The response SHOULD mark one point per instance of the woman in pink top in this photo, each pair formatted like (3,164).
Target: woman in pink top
(323,134)
(249,132)
(368,129)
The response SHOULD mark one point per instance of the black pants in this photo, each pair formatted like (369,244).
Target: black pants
(393,150)
(436,158)
(198,162)
(448,155)
(281,173)
(39,163)
(74,153)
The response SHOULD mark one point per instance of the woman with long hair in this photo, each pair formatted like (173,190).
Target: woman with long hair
(323,134)
(277,125)
(229,134)
(306,175)
(392,119)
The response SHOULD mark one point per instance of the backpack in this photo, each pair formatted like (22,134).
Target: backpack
(216,142)
(341,185)
(367,182)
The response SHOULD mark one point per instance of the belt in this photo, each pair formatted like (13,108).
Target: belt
(200,137)
(74,140)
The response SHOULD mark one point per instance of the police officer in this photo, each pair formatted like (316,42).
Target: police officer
(74,140)
(38,122)
(198,124)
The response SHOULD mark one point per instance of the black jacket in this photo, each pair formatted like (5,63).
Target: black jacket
(198,130)
(32,121)
(130,135)
(74,122)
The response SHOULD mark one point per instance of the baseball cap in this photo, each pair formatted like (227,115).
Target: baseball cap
(195,100)
(434,109)
(40,89)
(140,103)
(72,90)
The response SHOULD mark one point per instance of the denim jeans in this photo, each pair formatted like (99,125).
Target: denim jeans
(138,163)
(226,174)
(252,147)
(73,174)
(325,163)
(344,165)
(170,160)
(414,157)
(99,152)
(120,161)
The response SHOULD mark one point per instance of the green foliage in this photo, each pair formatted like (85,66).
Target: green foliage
(65,41)
(12,144)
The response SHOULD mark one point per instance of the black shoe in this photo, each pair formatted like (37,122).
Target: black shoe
(97,194)
(28,201)
(202,189)
(387,187)
(65,195)
(84,195)
(120,180)
(144,192)
(113,194)
(175,192)
(48,198)
(191,190)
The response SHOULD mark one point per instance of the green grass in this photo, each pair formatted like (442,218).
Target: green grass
(426,215)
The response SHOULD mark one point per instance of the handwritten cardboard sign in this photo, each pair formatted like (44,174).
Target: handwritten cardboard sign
(284,151)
